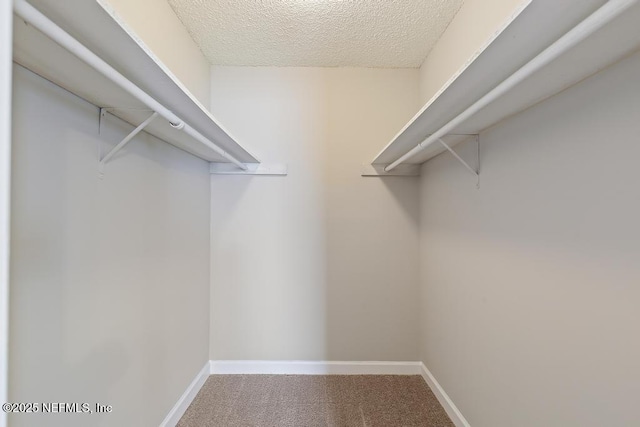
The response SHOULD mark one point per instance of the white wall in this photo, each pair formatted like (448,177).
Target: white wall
(476,22)
(160,29)
(530,285)
(321,264)
(6,24)
(110,278)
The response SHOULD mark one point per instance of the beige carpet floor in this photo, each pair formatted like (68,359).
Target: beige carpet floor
(315,400)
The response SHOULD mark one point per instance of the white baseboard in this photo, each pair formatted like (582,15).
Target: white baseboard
(444,399)
(187,397)
(303,367)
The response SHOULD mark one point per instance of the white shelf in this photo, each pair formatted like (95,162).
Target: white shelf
(536,27)
(95,28)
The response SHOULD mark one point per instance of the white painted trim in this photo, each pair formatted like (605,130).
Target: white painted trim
(187,397)
(304,367)
(444,399)
(6,45)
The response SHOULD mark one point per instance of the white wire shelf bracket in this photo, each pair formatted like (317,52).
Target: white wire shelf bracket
(36,19)
(476,171)
(413,169)
(595,21)
(125,140)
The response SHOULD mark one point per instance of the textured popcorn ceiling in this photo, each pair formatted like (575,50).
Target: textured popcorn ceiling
(316,33)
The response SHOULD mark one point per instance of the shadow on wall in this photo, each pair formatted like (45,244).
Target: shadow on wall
(107,274)
(532,280)
(57,354)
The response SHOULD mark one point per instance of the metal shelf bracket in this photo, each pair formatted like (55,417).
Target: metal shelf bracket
(103,160)
(475,171)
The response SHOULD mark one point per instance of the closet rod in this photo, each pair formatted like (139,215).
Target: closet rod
(584,29)
(33,17)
